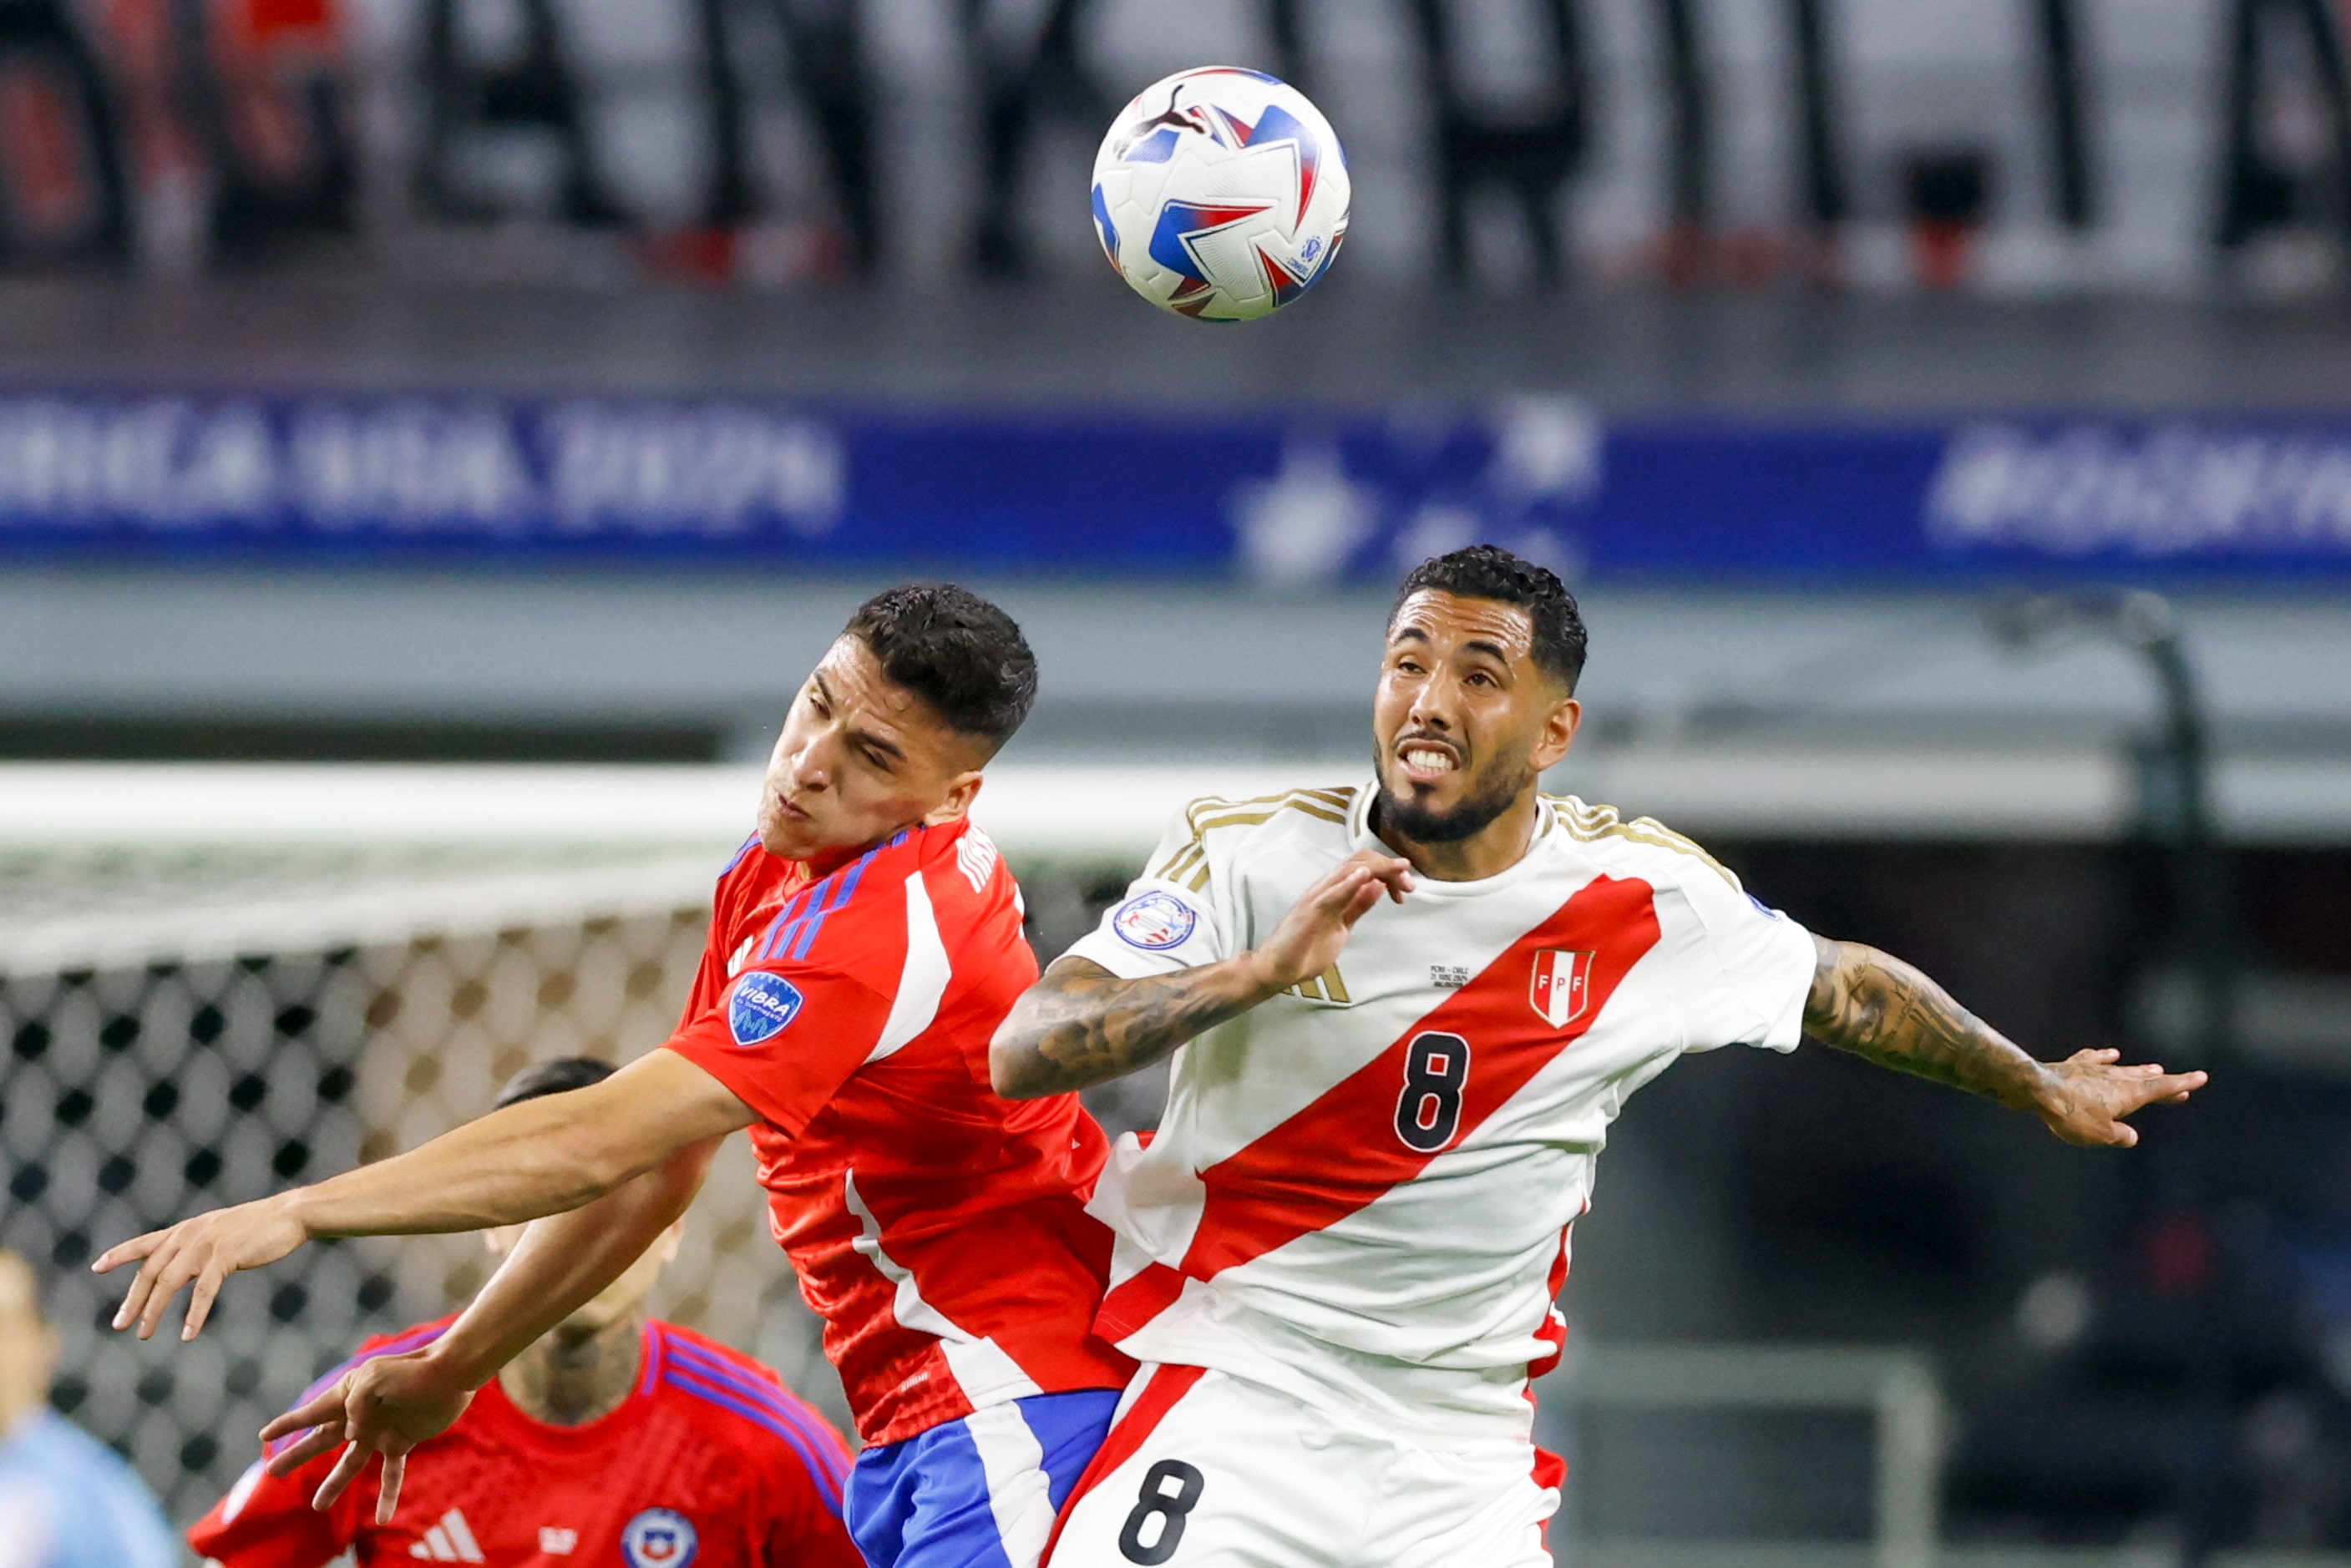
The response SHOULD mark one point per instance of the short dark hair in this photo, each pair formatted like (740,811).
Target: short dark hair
(954,650)
(552,1077)
(1490,572)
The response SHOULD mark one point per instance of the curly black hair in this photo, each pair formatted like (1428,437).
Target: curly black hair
(1490,572)
(957,651)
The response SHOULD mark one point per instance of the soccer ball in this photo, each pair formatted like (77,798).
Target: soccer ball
(1220,193)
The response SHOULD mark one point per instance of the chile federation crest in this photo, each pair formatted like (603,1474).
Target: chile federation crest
(659,1538)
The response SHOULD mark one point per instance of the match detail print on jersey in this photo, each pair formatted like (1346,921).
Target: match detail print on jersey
(1387,1115)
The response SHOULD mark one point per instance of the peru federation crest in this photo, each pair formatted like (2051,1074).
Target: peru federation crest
(1562,986)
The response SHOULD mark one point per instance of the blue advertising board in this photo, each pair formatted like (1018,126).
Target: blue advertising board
(1279,496)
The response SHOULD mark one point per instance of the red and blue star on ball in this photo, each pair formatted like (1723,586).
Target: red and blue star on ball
(1183,224)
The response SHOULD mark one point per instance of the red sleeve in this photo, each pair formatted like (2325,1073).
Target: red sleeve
(710,975)
(804,1533)
(815,1000)
(265,1522)
(828,1024)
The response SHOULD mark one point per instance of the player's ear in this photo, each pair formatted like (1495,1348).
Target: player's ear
(1559,727)
(670,1241)
(962,790)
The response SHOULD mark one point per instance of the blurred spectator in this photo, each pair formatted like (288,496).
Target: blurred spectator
(825,52)
(275,111)
(1529,154)
(539,88)
(65,1499)
(1032,73)
(63,190)
(613,1431)
(2275,170)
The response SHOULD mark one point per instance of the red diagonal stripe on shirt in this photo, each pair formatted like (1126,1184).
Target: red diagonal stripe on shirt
(1341,1152)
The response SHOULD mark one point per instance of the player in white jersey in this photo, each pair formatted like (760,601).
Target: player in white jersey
(1337,1257)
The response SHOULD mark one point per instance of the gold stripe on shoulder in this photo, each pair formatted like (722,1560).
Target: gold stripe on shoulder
(1217,812)
(1212,805)
(1250,818)
(1211,812)
(1585,823)
(1178,863)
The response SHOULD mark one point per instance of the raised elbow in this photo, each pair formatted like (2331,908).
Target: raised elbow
(1004,1071)
(1012,1066)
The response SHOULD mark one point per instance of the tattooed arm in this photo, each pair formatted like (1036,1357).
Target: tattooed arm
(1081,1023)
(1876,1006)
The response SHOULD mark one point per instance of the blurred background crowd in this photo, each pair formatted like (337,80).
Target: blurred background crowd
(2020,145)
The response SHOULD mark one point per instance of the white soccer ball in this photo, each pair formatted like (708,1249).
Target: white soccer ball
(1220,193)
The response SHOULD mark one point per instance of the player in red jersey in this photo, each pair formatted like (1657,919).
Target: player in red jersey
(866,943)
(614,1442)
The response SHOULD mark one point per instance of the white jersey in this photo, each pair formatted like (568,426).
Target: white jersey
(1375,1171)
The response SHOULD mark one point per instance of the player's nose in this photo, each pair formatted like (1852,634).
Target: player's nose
(811,770)
(1431,712)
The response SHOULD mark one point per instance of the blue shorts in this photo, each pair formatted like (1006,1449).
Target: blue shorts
(980,1493)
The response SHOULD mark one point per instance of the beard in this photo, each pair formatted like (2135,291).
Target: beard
(1491,794)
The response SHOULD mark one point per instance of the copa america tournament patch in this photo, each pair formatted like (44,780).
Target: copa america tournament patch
(762,1005)
(1154,922)
(659,1538)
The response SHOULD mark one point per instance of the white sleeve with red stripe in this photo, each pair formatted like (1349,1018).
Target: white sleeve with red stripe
(1754,971)
(1165,924)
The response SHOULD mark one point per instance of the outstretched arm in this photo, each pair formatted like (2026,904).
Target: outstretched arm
(390,1404)
(1082,1024)
(1876,1006)
(542,1156)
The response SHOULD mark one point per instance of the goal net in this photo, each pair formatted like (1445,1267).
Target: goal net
(216,982)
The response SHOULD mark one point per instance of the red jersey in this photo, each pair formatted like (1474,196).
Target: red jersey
(938,1229)
(710,1460)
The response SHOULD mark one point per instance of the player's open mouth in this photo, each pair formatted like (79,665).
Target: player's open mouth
(1427,762)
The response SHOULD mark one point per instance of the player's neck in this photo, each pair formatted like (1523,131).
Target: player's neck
(825,862)
(1488,852)
(566,1381)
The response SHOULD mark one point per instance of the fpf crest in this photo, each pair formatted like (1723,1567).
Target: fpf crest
(1562,986)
